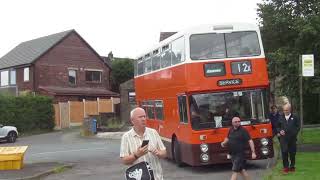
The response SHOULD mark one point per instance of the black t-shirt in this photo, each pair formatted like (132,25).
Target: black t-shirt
(238,139)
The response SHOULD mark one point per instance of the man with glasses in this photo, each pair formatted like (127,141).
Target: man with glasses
(237,139)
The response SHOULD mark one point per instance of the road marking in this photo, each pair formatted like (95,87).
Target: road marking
(66,151)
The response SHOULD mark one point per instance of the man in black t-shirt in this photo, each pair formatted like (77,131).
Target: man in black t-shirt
(237,139)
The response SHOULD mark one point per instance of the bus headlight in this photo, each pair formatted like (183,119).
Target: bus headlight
(264,141)
(204,147)
(204,157)
(265,151)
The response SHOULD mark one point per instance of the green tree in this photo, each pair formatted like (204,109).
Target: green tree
(290,28)
(122,71)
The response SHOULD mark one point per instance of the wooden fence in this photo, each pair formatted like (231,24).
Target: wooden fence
(72,113)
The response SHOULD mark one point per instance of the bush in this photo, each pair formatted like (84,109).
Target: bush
(27,113)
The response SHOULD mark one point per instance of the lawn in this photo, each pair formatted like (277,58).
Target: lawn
(307,163)
(311,136)
(307,168)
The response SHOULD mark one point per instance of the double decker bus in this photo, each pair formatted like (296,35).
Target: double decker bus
(192,84)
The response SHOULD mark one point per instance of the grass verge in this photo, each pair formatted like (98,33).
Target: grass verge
(310,136)
(61,169)
(307,168)
(307,163)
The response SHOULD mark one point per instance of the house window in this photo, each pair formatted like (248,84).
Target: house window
(12,77)
(4,78)
(72,76)
(93,76)
(26,74)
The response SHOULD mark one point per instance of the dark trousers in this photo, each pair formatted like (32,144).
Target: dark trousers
(285,159)
(288,149)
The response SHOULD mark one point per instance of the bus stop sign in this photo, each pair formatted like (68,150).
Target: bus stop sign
(307,65)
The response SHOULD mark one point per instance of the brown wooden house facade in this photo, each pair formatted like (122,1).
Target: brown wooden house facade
(63,66)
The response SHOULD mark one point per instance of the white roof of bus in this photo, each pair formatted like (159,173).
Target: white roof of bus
(208,28)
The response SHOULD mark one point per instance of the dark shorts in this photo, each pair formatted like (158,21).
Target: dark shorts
(238,163)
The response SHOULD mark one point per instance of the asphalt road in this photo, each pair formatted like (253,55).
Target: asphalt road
(99,159)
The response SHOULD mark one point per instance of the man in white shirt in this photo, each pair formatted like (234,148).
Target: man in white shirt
(131,151)
(288,129)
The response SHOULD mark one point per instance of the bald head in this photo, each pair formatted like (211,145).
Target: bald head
(235,122)
(134,111)
(138,119)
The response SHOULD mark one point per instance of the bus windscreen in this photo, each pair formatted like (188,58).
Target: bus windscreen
(215,110)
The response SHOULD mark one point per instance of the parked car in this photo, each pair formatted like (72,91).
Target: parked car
(8,133)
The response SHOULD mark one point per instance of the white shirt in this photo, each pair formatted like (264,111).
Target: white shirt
(287,117)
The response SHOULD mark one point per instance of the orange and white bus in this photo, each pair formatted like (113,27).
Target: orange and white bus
(192,83)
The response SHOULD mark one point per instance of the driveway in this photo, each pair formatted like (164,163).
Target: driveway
(95,158)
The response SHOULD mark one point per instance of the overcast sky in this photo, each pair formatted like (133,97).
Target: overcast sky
(125,27)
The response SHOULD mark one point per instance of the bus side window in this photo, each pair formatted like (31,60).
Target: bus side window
(177,51)
(140,67)
(155,60)
(159,109)
(165,56)
(150,109)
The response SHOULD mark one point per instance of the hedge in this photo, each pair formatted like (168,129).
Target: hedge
(27,113)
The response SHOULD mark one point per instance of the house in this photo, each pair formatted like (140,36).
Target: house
(63,66)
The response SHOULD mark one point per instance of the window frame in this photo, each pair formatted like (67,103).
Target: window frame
(15,77)
(8,78)
(75,78)
(93,70)
(26,71)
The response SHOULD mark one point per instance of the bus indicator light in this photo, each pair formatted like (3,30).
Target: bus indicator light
(203,137)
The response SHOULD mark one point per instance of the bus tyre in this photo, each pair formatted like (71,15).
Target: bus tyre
(12,136)
(176,153)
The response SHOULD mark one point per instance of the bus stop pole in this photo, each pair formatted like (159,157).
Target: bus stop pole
(301,93)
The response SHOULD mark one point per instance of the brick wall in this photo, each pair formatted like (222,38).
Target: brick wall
(72,52)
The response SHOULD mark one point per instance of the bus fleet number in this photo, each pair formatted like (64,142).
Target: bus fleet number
(242,67)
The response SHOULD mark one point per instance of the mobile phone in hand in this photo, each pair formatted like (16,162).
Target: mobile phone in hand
(144,143)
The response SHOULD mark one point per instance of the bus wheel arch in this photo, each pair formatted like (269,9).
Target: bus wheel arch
(176,153)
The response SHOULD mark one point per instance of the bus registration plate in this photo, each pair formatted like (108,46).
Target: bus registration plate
(229,82)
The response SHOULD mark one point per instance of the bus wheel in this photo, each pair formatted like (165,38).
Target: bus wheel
(176,153)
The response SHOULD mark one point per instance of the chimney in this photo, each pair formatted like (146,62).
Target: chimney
(165,35)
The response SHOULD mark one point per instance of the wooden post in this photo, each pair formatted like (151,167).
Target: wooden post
(98,101)
(69,113)
(84,108)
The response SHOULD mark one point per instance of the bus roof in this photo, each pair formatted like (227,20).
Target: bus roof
(207,28)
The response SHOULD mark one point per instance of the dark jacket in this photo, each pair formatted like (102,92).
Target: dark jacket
(274,118)
(291,128)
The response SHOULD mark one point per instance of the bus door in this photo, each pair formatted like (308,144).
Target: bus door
(182,129)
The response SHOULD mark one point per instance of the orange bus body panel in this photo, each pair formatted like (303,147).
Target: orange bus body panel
(189,78)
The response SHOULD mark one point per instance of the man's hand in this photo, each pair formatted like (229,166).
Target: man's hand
(159,153)
(142,151)
(223,144)
(278,134)
(282,133)
(156,152)
(253,155)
